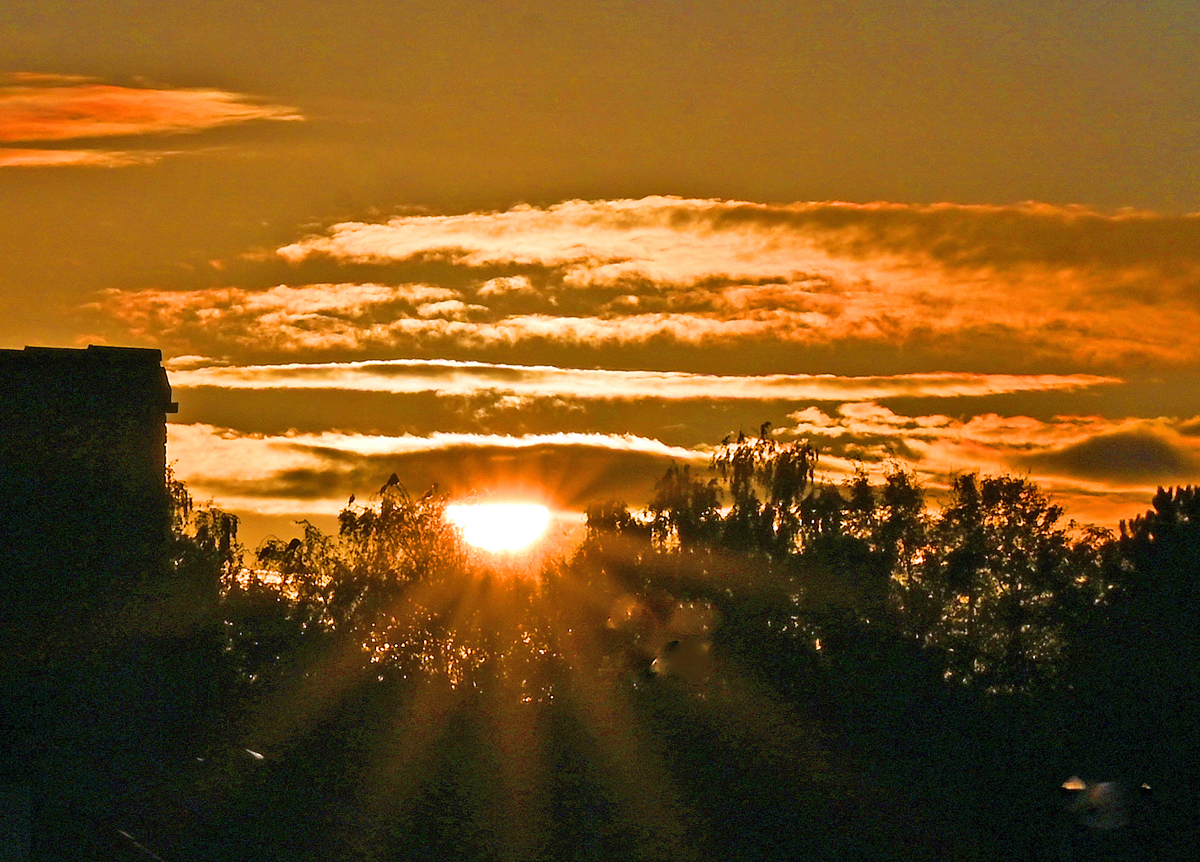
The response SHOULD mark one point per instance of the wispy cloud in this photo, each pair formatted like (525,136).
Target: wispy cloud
(11,157)
(316,472)
(1102,468)
(284,449)
(1080,453)
(286,318)
(94,110)
(1022,285)
(53,108)
(753,291)
(466,378)
(680,241)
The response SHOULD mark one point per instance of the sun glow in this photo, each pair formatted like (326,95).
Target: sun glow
(499,526)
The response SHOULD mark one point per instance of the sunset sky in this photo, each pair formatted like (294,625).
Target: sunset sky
(541,249)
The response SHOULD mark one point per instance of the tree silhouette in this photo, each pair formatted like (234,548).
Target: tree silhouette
(379,581)
(1163,547)
(816,654)
(1002,569)
(684,509)
(782,472)
(1151,655)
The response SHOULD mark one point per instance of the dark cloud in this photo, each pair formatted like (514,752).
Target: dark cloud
(966,236)
(1190,428)
(1122,458)
(565,476)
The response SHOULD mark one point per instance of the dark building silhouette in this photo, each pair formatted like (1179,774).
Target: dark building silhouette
(95,675)
(84,508)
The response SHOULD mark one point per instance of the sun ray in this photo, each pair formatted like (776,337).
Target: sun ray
(401,769)
(631,769)
(515,719)
(478,685)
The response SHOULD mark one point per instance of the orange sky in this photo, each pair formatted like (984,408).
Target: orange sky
(558,245)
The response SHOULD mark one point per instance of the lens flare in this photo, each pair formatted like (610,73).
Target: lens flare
(499,526)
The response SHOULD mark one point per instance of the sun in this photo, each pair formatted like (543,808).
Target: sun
(499,527)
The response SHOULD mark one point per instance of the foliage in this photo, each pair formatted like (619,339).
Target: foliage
(996,583)
(398,584)
(685,509)
(203,552)
(404,541)
(1001,570)
(781,472)
(1163,549)
(1153,634)
(613,518)
(849,646)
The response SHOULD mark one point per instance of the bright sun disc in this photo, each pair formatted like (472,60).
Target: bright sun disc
(499,526)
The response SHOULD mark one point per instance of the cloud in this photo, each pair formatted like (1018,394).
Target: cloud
(511,284)
(1074,453)
(45,78)
(317,472)
(27,158)
(282,317)
(1136,457)
(314,317)
(677,240)
(53,108)
(1191,428)
(1077,455)
(451,309)
(1022,286)
(466,378)
(1100,467)
(93,110)
(749,294)
(215,320)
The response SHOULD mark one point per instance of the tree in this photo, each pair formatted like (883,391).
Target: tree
(1001,568)
(405,540)
(1151,650)
(899,532)
(204,553)
(782,472)
(839,570)
(381,581)
(1162,547)
(612,518)
(685,509)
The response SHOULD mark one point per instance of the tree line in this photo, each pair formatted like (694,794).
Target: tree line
(988,623)
(757,665)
